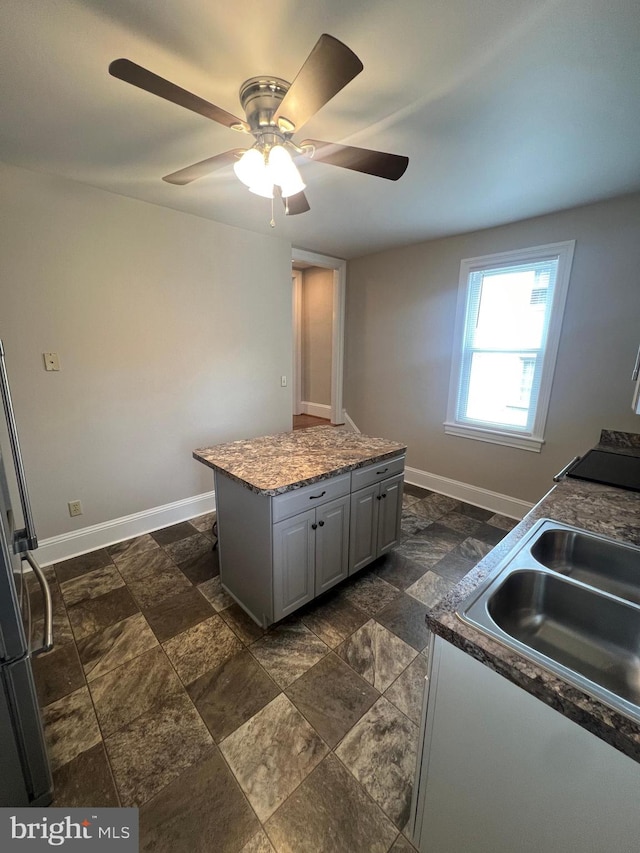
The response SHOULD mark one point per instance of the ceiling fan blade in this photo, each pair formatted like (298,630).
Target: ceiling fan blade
(204,167)
(295,204)
(327,69)
(138,76)
(389,166)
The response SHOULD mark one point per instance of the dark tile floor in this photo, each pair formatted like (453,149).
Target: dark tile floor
(161,693)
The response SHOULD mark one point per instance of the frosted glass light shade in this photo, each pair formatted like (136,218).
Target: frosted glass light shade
(251,168)
(283,171)
(260,176)
(263,187)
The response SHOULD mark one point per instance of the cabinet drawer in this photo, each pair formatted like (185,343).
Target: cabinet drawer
(374,473)
(309,497)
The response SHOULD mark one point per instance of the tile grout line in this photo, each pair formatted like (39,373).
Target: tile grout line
(216,747)
(86,685)
(330,750)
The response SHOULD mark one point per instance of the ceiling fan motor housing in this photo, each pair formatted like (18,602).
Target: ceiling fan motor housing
(260,98)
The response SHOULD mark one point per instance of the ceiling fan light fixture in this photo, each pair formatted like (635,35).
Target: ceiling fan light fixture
(292,188)
(263,187)
(251,168)
(283,171)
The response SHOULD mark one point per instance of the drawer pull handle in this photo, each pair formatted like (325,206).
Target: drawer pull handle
(313,526)
(384,471)
(321,524)
(315,497)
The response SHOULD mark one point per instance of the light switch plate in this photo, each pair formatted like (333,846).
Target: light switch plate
(51,361)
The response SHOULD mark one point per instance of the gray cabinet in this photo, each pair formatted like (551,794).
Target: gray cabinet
(293,563)
(310,555)
(279,552)
(332,544)
(375,521)
(364,527)
(390,513)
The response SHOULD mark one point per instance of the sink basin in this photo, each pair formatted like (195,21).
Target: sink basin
(590,634)
(570,602)
(597,562)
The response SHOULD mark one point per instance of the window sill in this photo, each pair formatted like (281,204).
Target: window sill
(508,439)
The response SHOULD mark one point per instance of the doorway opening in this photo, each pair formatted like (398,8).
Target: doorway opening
(318,338)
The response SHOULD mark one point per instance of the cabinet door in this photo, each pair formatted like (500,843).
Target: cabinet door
(390,513)
(549,779)
(332,543)
(364,527)
(293,563)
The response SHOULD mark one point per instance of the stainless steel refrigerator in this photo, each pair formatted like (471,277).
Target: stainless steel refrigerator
(25,774)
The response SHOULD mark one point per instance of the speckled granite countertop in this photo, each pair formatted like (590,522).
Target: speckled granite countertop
(279,463)
(624,443)
(600,509)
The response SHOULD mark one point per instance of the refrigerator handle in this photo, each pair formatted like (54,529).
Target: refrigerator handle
(636,368)
(47,636)
(26,539)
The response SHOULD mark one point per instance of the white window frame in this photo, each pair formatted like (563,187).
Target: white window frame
(521,439)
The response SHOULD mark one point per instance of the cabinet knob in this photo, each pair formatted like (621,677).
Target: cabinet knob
(378,497)
(313,526)
(321,524)
(384,494)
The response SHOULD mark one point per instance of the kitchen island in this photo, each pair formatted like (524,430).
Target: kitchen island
(513,756)
(300,511)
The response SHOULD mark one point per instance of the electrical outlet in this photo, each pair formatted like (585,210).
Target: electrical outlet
(283,381)
(75,508)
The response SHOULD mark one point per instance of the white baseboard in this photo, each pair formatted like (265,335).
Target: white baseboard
(318,410)
(494,501)
(58,548)
(348,422)
(67,545)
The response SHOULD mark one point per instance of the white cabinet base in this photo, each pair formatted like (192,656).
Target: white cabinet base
(501,772)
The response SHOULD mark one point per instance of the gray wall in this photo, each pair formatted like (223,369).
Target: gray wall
(317,322)
(399,330)
(172,330)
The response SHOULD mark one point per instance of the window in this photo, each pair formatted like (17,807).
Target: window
(506,339)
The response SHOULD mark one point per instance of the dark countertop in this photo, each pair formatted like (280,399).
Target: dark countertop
(274,464)
(600,509)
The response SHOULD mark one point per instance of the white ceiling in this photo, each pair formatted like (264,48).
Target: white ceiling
(506,108)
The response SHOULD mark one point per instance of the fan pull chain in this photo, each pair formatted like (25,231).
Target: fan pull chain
(273,221)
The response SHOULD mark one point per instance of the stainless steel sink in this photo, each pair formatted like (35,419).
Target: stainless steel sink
(597,562)
(569,601)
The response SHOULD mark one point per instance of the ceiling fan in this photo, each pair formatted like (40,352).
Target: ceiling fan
(275,110)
